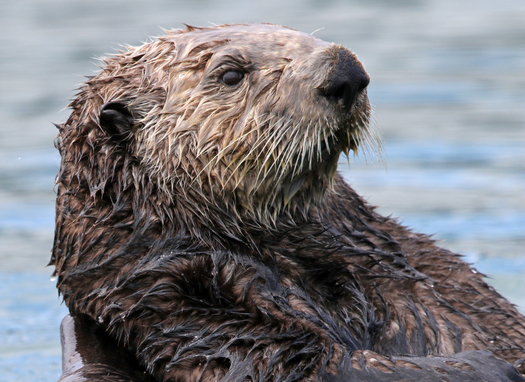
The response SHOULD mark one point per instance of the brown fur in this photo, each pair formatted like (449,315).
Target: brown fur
(213,238)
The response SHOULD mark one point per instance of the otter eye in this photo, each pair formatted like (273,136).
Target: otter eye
(232,77)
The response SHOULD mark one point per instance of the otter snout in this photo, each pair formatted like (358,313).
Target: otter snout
(347,80)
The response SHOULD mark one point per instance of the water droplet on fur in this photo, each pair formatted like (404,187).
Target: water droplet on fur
(52,278)
(100,319)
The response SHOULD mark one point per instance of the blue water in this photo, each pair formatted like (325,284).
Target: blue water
(448,90)
(30,315)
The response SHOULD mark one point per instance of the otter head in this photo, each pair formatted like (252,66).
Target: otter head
(247,120)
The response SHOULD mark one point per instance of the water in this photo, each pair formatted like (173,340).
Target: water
(448,89)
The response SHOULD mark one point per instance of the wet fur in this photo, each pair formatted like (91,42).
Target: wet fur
(214,239)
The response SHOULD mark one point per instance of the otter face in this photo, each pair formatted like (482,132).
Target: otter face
(257,113)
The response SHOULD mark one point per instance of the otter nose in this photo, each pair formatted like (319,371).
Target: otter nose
(347,80)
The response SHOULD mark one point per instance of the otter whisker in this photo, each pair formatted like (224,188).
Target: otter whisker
(285,156)
(282,159)
(304,149)
(235,171)
(231,146)
(275,140)
(266,140)
(370,141)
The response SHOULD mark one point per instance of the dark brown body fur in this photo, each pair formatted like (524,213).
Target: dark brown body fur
(203,271)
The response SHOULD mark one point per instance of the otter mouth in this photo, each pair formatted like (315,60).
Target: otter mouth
(354,124)
(345,93)
(343,132)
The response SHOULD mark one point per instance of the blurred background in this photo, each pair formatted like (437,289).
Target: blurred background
(448,89)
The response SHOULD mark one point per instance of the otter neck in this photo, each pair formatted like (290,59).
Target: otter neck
(91,223)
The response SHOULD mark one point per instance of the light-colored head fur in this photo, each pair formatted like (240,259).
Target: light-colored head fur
(264,146)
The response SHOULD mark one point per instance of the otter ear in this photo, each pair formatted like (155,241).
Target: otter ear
(115,119)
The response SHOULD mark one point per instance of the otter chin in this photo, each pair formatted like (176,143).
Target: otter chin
(204,234)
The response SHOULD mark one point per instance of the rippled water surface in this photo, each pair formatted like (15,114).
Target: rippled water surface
(448,88)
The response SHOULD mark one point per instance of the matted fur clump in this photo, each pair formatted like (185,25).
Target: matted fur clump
(202,228)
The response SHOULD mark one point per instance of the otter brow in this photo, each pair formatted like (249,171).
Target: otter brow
(206,46)
(232,62)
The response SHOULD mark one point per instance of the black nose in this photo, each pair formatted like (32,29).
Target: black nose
(347,80)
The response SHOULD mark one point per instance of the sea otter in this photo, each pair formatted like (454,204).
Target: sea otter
(204,234)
